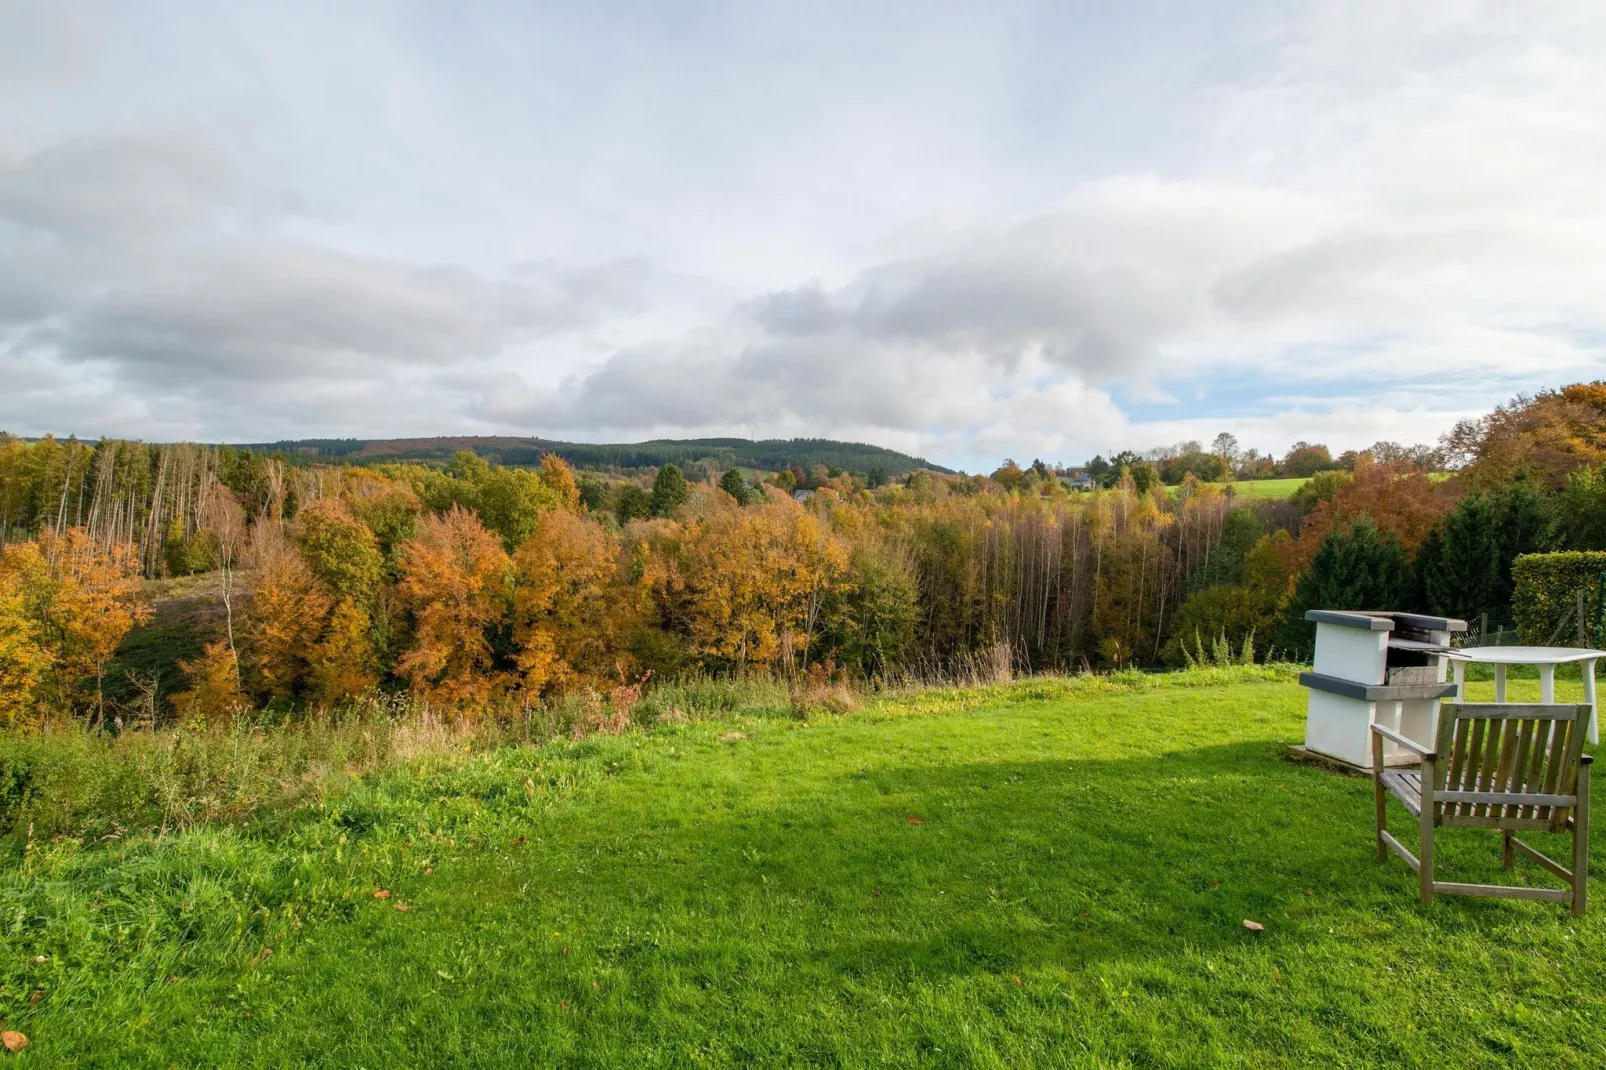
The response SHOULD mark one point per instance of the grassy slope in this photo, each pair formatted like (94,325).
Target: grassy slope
(1073,894)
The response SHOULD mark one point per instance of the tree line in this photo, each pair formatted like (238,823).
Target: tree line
(473,584)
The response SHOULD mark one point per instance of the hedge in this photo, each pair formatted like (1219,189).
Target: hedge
(1546,595)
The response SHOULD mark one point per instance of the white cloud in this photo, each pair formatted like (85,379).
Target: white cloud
(1347,222)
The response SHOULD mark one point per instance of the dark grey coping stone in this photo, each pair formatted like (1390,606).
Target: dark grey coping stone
(1429,624)
(1372,622)
(1333,685)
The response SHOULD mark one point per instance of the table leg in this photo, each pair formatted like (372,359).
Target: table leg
(1499,683)
(1547,683)
(1589,697)
(1460,681)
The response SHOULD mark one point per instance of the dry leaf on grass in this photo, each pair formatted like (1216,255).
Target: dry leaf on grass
(731,737)
(37,995)
(381,894)
(403,906)
(13,1040)
(1254,926)
(913,820)
(263,955)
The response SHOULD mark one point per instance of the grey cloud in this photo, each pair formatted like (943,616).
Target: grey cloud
(149,255)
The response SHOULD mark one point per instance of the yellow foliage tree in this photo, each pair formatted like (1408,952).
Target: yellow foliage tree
(81,600)
(22,660)
(557,475)
(570,609)
(455,580)
(757,579)
(341,666)
(214,695)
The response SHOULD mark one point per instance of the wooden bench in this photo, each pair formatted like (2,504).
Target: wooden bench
(1501,766)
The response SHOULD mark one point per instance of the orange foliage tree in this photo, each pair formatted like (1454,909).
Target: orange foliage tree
(1545,437)
(570,606)
(286,618)
(1405,504)
(559,477)
(456,583)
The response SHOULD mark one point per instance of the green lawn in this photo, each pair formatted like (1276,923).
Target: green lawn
(1053,873)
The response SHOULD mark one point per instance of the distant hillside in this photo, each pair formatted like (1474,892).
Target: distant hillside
(768,455)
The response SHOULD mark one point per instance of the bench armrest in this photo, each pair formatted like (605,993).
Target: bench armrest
(1408,744)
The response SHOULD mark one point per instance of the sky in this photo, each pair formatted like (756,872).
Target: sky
(969,231)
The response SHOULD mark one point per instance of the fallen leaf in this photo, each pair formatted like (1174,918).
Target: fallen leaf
(565,950)
(428,870)
(731,737)
(443,974)
(263,955)
(1085,913)
(1254,926)
(403,906)
(1310,891)
(40,960)
(594,984)
(876,893)
(519,842)
(1016,980)
(563,1004)
(37,995)
(381,893)
(913,820)
(13,1040)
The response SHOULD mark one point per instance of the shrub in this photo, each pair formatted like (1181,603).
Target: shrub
(1547,587)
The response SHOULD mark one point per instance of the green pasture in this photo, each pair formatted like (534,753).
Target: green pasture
(1051,873)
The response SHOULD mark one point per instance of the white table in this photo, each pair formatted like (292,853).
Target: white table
(1545,657)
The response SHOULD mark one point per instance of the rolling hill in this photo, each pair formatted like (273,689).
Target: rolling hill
(766,454)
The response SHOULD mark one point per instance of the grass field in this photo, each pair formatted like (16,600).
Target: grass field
(1052,873)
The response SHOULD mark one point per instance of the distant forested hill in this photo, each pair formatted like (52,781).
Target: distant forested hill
(768,454)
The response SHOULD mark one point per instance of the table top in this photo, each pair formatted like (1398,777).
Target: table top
(1525,655)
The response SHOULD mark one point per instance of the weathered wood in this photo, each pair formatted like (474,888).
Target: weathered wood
(1400,849)
(1425,874)
(1553,895)
(1406,787)
(1505,767)
(1485,799)
(1581,842)
(1543,861)
(1502,711)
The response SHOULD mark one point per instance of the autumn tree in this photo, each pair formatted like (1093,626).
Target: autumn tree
(559,478)
(456,584)
(1543,437)
(23,661)
(81,599)
(1406,505)
(757,580)
(285,622)
(1305,459)
(214,695)
(570,608)
(341,550)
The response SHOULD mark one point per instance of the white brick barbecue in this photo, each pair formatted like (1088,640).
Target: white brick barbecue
(1370,667)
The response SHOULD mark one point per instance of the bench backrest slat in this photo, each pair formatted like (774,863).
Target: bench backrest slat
(1508,761)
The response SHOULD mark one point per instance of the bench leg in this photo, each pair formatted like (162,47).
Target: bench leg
(1507,851)
(1379,797)
(1581,844)
(1426,854)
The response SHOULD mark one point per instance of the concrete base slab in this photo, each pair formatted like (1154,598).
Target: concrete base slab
(1298,752)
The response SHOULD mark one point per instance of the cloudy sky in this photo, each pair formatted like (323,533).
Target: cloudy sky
(966,230)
